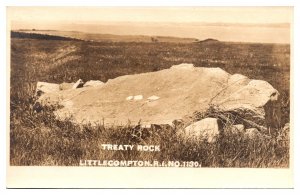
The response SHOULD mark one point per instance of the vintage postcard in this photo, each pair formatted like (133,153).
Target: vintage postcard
(150,97)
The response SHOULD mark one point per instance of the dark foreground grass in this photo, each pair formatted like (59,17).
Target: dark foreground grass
(40,139)
(47,141)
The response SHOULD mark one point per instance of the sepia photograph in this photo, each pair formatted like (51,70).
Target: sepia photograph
(165,88)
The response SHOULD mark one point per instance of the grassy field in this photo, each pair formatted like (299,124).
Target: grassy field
(39,139)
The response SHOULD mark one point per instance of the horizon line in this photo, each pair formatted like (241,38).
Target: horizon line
(178,37)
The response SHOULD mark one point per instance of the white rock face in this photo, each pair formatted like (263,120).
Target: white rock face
(135,98)
(237,79)
(93,83)
(44,88)
(129,98)
(138,97)
(182,90)
(66,86)
(153,98)
(252,95)
(183,66)
(78,84)
(204,129)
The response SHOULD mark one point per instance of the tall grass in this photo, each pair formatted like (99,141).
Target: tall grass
(47,141)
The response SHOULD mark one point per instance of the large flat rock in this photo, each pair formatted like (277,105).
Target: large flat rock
(178,91)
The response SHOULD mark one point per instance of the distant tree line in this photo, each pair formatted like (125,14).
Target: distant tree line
(22,35)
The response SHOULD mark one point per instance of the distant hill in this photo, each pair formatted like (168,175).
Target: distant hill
(23,35)
(107,37)
(209,41)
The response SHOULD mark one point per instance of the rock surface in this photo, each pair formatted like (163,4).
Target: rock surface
(65,86)
(205,129)
(138,97)
(93,83)
(78,84)
(182,90)
(153,98)
(44,88)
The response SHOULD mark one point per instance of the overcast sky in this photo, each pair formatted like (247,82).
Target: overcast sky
(162,21)
(152,14)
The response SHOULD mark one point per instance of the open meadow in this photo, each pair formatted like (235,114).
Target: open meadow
(40,139)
